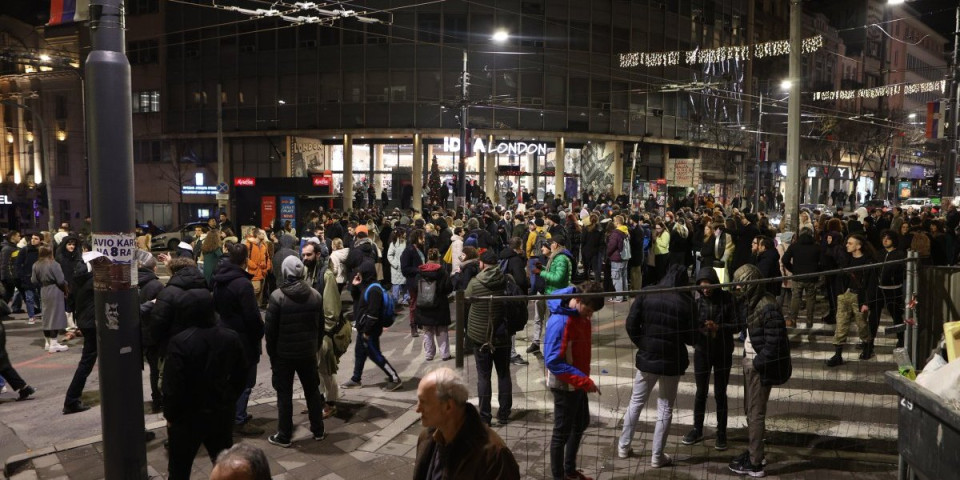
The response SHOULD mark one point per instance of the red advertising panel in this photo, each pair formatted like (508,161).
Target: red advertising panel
(321,181)
(268,211)
(244,182)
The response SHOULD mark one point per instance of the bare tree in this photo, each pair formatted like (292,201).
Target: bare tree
(727,146)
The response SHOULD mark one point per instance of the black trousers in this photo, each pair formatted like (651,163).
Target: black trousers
(570,419)
(486,361)
(88,358)
(892,300)
(306,369)
(214,430)
(707,359)
(152,354)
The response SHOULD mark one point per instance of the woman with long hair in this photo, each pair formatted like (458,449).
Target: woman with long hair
(338,258)
(48,274)
(592,240)
(211,249)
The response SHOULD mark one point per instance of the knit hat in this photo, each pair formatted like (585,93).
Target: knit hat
(292,268)
(361,229)
(488,257)
(538,222)
(558,239)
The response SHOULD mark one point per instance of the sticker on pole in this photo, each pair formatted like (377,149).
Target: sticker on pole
(116,270)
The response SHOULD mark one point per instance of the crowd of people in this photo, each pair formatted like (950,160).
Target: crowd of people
(281,289)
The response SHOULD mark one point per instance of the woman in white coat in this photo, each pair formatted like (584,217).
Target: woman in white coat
(338,259)
(398,243)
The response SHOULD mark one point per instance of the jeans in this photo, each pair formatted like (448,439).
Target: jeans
(539,318)
(400,295)
(755,397)
(618,273)
(571,416)
(306,370)
(486,361)
(88,358)
(213,430)
(442,336)
(244,398)
(643,384)
(370,348)
(715,359)
(30,297)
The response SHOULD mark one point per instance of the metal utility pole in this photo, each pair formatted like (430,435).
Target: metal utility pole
(462,165)
(222,198)
(792,199)
(110,135)
(949,180)
(760,152)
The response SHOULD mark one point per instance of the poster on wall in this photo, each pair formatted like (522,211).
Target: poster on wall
(306,155)
(596,159)
(288,211)
(268,211)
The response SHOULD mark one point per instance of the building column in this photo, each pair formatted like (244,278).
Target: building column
(21,150)
(532,170)
(559,157)
(347,172)
(4,146)
(378,166)
(617,168)
(490,173)
(416,178)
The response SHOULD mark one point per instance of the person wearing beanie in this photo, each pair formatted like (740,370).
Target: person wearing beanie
(292,330)
(556,276)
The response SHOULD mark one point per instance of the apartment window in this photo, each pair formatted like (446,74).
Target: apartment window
(63,159)
(142,52)
(147,151)
(61,102)
(146,102)
(64,210)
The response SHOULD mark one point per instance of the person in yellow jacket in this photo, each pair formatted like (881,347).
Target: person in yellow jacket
(661,249)
(258,262)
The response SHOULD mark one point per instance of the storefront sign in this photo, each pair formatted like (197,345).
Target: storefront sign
(5,200)
(913,172)
(244,182)
(321,181)
(452,144)
(199,190)
(268,211)
(307,155)
(288,211)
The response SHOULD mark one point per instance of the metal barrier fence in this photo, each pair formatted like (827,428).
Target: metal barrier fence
(824,420)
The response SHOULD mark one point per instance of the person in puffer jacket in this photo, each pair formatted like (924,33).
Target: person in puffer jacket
(171,312)
(660,325)
(293,331)
(567,347)
(435,320)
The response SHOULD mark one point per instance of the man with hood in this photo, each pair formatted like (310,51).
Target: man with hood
(802,257)
(615,252)
(186,288)
(150,286)
(661,327)
(766,362)
(363,248)
(567,347)
(203,374)
(236,304)
(288,248)
(293,329)
(490,339)
(367,311)
(767,261)
(556,276)
(716,323)
(80,302)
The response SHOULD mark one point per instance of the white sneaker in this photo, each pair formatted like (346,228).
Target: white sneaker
(663,461)
(55,347)
(624,452)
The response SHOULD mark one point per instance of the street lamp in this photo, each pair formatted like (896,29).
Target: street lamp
(500,36)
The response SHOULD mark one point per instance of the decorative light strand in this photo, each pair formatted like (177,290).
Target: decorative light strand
(882,91)
(713,55)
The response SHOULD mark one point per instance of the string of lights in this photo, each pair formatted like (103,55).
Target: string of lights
(882,91)
(714,55)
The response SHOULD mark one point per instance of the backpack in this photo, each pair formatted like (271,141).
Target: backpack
(389,308)
(426,293)
(625,253)
(514,311)
(341,336)
(539,242)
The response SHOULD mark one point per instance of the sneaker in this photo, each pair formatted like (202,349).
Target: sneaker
(428,358)
(447,358)
(247,430)
(319,436)
(721,443)
(350,384)
(32,321)
(533,348)
(518,360)
(393,385)
(329,411)
(57,347)
(75,408)
(578,475)
(26,392)
(692,437)
(743,466)
(4,389)
(276,440)
(661,462)
(624,452)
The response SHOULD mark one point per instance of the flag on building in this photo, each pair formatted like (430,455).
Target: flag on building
(935,120)
(68,11)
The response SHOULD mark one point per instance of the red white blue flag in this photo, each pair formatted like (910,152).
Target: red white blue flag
(68,11)
(935,120)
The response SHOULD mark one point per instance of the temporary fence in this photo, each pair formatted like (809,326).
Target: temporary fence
(822,420)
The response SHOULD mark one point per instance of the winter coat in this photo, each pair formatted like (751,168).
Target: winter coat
(237,306)
(293,325)
(516,267)
(393,256)
(288,248)
(490,281)
(567,346)
(25,259)
(410,260)
(7,272)
(615,243)
(803,256)
(636,245)
(338,259)
(150,286)
(592,241)
(558,271)
(743,237)
(177,304)
(80,300)
(68,260)
(768,261)
(476,453)
(456,248)
(721,308)
(440,315)
(368,311)
(768,336)
(258,262)
(891,275)
(661,325)
(363,248)
(468,270)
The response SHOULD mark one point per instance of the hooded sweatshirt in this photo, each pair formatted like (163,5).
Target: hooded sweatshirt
(720,308)
(293,323)
(661,325)
(567,346)
(177,304)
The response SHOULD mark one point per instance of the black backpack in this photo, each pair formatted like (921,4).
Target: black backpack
(427,293)
(515,312)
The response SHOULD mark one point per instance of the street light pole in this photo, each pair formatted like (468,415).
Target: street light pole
(949,182)
(462,165)
(792,200)
(759,151)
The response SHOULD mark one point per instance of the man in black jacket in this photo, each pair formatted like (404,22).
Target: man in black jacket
(512,263)
(8,275)
(150,286)
(890,285)
(293,331)
(236,304)
(367,313)
(768,262)
(170,314)
(743,237)
(80,302)
(23,265)
(802,257)
(766,362)
(202,376)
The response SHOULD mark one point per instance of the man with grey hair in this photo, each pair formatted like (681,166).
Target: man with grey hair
(455,442)
(241,462)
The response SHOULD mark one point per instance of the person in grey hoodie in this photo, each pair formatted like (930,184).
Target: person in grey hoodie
(288,248)
(293,330)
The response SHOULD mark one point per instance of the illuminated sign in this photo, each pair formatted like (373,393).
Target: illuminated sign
(244,182)
(199,190)
(5,200)
(452,144)
(321,181)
